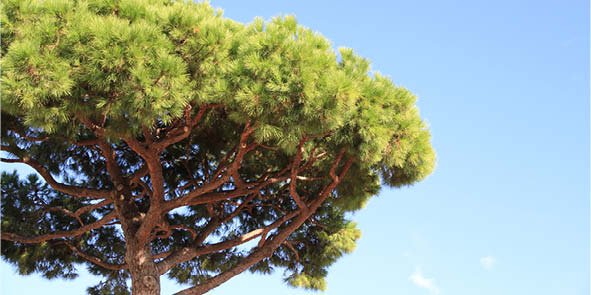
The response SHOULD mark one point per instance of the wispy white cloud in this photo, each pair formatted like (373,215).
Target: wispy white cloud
(419,280)
(487,262)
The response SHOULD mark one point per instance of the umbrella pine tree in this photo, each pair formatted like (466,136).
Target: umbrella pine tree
(169,140)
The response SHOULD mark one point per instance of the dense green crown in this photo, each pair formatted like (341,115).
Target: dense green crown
(139,64)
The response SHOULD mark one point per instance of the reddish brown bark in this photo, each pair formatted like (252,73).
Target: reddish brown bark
(140,228)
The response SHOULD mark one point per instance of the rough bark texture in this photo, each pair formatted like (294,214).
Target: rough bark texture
(145,279)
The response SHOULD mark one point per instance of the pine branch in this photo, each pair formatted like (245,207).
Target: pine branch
(188,253)
(216,221)
(135,178)
(212,197)
(65,211)
(64,188)
(94,259)
(190,197)
(178,133)
(293,177)
(154,214)
(195,198)
(168,232)
(61,234)
(92,207)
(268,247)
(29,138)
(293,250)
(76,214)
(99,131)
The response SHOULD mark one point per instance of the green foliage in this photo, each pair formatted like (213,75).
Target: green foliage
(128,64)
(115,284)
(328,246)
(134,63)
(20,204)
(24,211)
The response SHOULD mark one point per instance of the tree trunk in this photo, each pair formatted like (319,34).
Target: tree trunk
(145,279)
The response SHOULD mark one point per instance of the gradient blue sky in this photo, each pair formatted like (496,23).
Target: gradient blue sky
(504,86)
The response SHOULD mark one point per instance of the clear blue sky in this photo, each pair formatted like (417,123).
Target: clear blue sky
(504,86)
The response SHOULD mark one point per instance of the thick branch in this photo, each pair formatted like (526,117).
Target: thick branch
(61,234)
(212,197)
(188,253)
(92,207)
(125,206)
(269,246)
(215,222)
(112,166)
(135,178)
(64,188)
(185,131)
(136,146)
(96,129)
(188,198)
(154,214)
(294,173)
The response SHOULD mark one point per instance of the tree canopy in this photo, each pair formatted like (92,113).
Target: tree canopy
(166,137)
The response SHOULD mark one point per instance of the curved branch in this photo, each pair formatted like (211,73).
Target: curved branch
(185,131)
(190,230)
(203,195)
(293,176)
(94,259)
(268,247)
(92,207)
(152,159)
(96,129)
(157,203)
(295,252)
(188,198)
(76,214)
(188,253)
(29,138)
(65,211)
(64,188)
(212,197)
(135,178)
(61,234)
(215,222)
